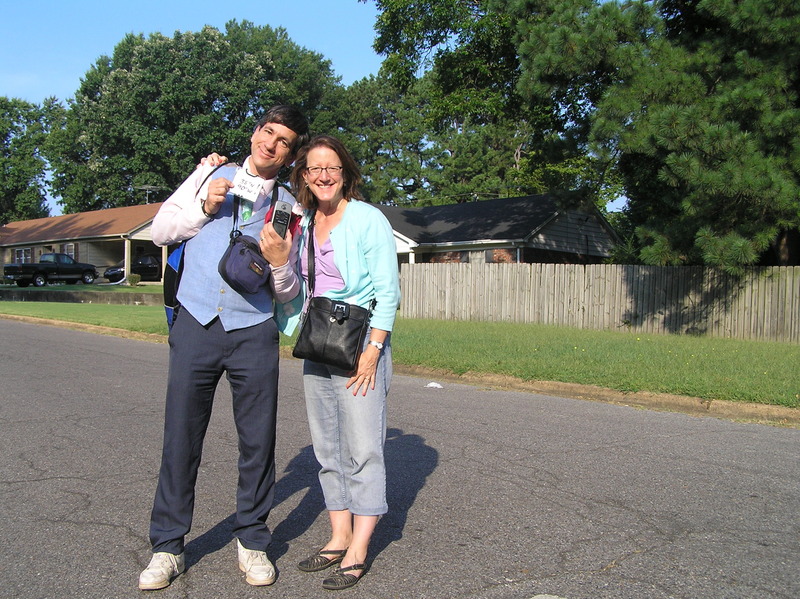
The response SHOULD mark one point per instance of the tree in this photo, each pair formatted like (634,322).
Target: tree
(385,130)
(22,167)
(494,140)
(405,160)
(143,117)
(306,77)
(687,107)
(696,101)
(467,47)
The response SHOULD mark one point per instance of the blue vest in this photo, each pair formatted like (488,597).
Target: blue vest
(202,291)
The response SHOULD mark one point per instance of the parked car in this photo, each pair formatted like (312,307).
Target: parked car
(51,267)
(147,266)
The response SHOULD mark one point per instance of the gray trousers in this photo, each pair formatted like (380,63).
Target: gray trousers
(197,359)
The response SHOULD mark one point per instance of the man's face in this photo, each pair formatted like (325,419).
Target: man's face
(271,148)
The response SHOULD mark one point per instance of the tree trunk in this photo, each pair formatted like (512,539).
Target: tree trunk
(787,248)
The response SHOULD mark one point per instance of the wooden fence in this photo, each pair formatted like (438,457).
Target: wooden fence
(764,304)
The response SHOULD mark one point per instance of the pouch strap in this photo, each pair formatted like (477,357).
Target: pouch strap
(235,232)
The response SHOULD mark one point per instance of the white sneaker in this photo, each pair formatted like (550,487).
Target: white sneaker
(256,565)
(162,569)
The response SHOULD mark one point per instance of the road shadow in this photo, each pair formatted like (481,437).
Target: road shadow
(409,462)
(210,541)
(300,476)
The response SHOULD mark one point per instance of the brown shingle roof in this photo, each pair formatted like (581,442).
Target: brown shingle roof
(111,222)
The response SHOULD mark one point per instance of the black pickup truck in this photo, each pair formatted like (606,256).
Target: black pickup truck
(51,267)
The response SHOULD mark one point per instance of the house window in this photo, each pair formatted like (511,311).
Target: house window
(501,256)
(22,256)
(450,258)
(69,250)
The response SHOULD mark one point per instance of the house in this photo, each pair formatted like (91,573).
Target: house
(100,237)
(523,230)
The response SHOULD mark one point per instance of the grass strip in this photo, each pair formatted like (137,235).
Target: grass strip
(707,368)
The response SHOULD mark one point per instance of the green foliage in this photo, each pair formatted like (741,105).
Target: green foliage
(480,162)
(387,134)
(134,279)
(697,102)
(144,117)
(407,158)
(23,130)
(305,77)
(494,137)
(628,248)
(411,31)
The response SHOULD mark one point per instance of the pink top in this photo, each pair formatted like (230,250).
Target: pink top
(326,276)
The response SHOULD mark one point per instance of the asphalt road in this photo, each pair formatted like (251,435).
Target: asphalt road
(493,494)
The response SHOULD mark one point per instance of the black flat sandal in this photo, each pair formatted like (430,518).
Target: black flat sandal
(339,580)
(318,561)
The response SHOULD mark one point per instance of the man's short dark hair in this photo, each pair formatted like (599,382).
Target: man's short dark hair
(290,117)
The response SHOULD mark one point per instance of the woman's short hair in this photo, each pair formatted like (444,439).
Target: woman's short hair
(351,175)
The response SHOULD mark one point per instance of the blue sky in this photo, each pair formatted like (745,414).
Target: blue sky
(49,45)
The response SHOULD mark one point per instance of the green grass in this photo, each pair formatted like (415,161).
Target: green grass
(155,288)
(734,370)
(142,319)
(754,371)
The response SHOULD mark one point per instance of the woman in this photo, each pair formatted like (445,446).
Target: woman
(355,261)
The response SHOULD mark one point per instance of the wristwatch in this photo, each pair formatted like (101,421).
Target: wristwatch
(377,344)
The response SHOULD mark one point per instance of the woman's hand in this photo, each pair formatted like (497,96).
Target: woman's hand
(364,376)
(213,159)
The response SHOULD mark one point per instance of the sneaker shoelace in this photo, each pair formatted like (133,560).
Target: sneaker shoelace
(163,562)
(256,558)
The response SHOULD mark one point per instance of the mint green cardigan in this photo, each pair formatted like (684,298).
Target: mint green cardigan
(364,252)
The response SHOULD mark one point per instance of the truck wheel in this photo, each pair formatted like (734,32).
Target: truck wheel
(87,278)
(23,283)
(39,280)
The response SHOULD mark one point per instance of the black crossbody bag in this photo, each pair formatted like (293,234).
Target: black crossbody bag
(242,265)
(332,332)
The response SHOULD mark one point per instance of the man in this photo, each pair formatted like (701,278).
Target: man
(216,331)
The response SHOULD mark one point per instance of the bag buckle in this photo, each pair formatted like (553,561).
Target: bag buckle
(339,311)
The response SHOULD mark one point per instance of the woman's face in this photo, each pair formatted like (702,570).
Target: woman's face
(324,175)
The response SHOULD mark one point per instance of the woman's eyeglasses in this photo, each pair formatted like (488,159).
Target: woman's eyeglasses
(316,171)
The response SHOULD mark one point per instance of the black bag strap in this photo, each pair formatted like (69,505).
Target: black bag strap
(311,254)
